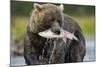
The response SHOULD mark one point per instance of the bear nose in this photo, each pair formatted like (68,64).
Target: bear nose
(55,28)
(57,31)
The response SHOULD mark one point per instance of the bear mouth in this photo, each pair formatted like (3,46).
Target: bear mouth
(64,35)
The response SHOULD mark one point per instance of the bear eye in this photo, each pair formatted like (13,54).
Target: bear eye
(52,19)
(59,21)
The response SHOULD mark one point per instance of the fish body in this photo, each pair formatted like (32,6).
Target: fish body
(64,35)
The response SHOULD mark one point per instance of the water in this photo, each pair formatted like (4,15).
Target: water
(18,60)
(90,50)
(90,54)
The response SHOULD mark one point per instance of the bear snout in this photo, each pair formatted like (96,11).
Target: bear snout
(55,28)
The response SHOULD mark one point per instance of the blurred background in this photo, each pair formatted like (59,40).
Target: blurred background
(20,14)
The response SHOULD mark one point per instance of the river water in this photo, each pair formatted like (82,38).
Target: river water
(90,54)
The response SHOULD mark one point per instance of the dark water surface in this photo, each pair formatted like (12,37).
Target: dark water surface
(90,54)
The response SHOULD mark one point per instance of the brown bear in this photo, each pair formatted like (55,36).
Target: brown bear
(41,50)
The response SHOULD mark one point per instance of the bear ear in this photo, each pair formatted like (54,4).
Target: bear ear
(61,7)
(37,6)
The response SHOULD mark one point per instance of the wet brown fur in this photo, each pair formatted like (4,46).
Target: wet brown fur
(45,18)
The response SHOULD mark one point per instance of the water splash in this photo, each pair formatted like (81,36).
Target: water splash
(46,43)
(52,52)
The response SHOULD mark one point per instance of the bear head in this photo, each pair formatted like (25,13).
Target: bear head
(46,16)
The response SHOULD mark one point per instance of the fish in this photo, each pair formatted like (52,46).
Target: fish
(64,35)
